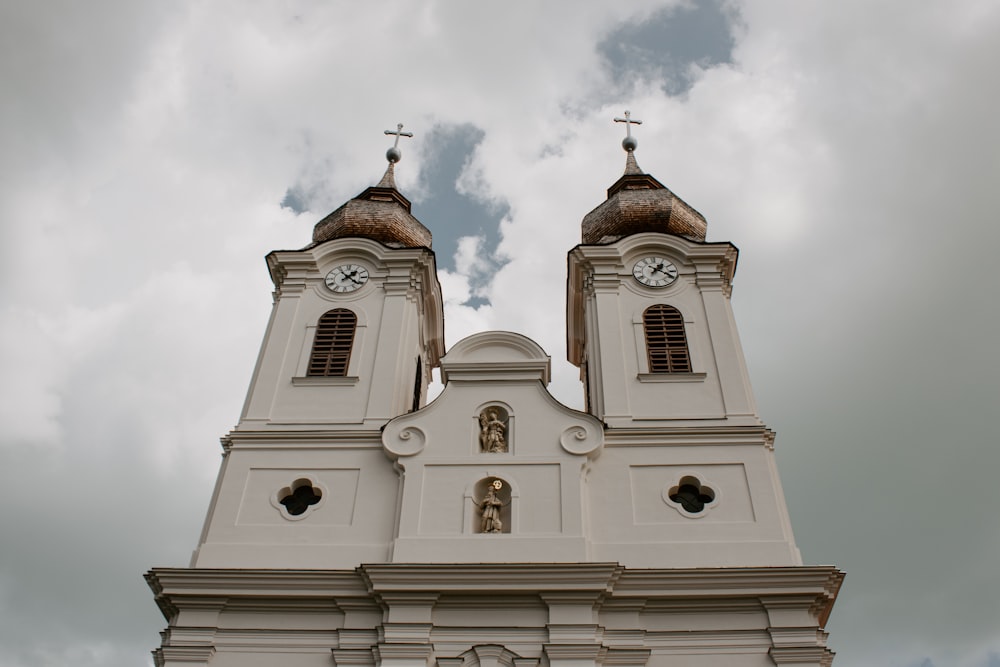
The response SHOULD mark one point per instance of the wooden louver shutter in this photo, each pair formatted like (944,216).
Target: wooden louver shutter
(332,346)
(666,344)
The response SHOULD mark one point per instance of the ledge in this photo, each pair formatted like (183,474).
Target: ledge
(324,381)
(672,377)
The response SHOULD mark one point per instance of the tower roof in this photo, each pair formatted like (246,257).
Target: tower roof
(637,203)
(379,213)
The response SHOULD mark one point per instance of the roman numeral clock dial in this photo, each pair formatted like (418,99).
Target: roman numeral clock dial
(654,272)
(347,278)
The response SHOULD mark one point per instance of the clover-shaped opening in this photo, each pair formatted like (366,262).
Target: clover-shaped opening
(300,496)
(692,495)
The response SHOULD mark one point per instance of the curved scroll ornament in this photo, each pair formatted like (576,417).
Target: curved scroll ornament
(405,441)
(580,439)
(493,423)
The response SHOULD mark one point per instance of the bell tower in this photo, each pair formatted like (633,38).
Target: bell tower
(650,325)
(355,329)
(649,319)
(357,322)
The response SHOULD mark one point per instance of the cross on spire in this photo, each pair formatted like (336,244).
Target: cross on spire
(629,143)
(627,120)
(399,132)
(394,154)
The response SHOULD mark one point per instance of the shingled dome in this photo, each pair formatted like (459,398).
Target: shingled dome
(379,213)
(636,203)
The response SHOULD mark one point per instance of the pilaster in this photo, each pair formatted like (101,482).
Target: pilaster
(734,380)
(607,341)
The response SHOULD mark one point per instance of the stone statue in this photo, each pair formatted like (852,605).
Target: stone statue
(492,431)
(490,506)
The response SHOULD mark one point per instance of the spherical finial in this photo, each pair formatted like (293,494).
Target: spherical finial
(630,143)
(393,154)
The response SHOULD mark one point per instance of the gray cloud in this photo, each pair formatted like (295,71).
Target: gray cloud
(666,45)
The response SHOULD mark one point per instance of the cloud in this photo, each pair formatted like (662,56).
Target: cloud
(672,45)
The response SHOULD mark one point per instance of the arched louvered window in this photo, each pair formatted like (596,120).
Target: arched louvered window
(331,349)
(666,344)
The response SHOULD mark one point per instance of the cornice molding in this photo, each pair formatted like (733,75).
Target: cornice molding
(795,601)
(776,586)
(497,578)
(688,435)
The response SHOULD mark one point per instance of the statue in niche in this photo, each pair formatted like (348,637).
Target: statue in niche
(492,430)
(490,506)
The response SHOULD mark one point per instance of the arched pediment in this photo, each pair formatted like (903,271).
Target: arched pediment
(496,354)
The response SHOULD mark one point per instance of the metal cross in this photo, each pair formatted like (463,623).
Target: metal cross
(399,133)
(628,123)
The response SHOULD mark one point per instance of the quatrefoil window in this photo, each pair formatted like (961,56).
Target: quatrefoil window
(692,495)
(299,497)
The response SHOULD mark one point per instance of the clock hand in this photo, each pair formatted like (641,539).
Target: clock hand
(666,269)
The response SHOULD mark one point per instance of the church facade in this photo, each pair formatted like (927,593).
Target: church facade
(354,523)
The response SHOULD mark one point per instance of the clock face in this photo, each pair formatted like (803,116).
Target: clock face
(654,272)
(347,278)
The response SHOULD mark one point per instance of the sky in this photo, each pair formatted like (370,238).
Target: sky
(154,152)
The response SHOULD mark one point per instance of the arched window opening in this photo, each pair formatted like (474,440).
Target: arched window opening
(666,343)
(331,349)
(418,385)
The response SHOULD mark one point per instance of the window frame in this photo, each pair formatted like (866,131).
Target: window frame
(667,350)
(336,329)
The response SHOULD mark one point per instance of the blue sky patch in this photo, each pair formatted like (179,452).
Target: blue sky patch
(668,43)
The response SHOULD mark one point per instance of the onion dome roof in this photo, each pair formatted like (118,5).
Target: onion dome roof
(379,213)
(637,203)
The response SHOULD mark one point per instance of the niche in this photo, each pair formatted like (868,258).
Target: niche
(492,497)
(494,430)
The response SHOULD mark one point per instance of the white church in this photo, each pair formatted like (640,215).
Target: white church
(354,524)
